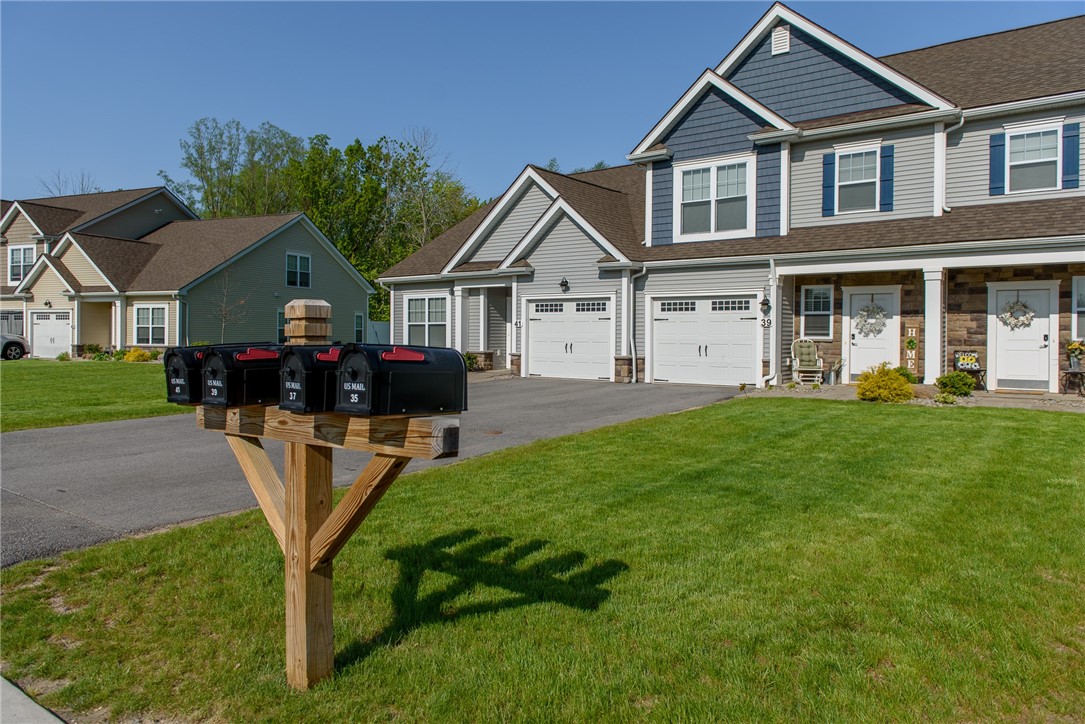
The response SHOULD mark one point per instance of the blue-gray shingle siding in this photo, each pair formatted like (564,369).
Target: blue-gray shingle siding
(768,190)
(812,80)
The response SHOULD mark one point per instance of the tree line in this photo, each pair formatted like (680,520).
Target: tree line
(378,203)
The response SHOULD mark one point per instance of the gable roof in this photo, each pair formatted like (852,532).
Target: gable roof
(1019,64)
(436,254)
(62,213)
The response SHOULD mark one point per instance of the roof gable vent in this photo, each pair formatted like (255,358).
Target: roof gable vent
(781,39)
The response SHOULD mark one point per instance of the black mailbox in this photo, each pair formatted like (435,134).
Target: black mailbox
(384,380)
(234,376)
(307,378)
(184,374)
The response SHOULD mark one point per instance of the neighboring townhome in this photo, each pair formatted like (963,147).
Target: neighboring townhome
(897,210)
(138,269)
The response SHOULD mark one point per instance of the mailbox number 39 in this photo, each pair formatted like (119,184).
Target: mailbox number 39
(214,392)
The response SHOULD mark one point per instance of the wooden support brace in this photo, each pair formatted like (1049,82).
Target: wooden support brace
(364,494)
(264,481)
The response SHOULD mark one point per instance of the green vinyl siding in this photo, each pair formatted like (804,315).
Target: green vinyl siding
(139,219)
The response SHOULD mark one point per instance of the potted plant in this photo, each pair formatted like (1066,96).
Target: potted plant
(1075,350)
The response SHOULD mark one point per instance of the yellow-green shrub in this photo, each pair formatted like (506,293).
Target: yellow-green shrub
(883,384)
(137,355)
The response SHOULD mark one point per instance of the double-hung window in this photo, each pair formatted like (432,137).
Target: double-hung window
(1032,163)
(359,328)
(1078,309)
(857,180)
(20,259)
(715,200)
(151,324)
(817,312)
(427,321)
(280,323)
(298,270)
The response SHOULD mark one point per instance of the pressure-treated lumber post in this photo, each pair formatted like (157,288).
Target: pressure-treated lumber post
(308,468)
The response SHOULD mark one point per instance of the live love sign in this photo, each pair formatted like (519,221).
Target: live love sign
(966,361)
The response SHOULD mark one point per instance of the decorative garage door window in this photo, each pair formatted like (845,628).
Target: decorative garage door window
(58,316)
(151,325)
(549,308)
(730,305)
(685,305)
(427,321)
(591,306)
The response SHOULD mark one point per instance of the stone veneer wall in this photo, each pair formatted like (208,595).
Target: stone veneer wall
(911,313)
(623,369)
(514,364)
(966,304)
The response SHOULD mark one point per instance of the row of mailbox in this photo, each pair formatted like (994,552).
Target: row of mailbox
(354,379)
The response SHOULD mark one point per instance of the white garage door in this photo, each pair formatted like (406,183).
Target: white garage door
(570,338)
(52,334)
(709,341)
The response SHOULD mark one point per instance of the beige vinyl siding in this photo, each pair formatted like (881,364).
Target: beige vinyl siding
(81,267)
(171,320)
(968,164)
(20,232)
(696,281)
(139,219)
(259,279)
(95,323)
(11,305)
(49,286)
(522,215)
(566,251)
(913,178)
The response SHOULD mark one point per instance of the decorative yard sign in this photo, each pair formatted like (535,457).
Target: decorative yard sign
(309,532)
(966,361)
(911,345)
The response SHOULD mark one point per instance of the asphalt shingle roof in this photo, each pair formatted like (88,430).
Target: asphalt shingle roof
(61,213)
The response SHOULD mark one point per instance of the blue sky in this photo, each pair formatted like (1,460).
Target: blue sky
(110,88)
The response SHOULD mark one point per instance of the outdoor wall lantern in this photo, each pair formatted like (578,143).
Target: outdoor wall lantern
(765,305)
(564,284)
(48,304)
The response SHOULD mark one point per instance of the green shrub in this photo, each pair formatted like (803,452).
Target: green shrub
(957,383)
(907,374)
(945,398)
(200,343)
(792,386)
(92,349)
(118,355)
(137,355)
(883,384)
(103,357)
(471,361)
(155,354)
(64,357)
(815,386)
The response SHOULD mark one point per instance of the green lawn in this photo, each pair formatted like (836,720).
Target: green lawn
(764,559)
(42,393)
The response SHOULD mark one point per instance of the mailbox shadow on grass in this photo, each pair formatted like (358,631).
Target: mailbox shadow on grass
(475,560)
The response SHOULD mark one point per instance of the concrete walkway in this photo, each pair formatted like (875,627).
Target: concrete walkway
(18,708)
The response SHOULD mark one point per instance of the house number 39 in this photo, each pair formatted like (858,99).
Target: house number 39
(766,323)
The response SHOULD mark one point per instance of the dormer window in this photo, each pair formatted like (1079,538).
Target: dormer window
(781,39)
(714,198)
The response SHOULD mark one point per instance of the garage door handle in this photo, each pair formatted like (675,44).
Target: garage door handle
(566,348)
(570,346)
(698,350)
(706,350)
(663,319)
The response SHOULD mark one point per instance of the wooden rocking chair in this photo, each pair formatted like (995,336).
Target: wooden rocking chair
(806,365)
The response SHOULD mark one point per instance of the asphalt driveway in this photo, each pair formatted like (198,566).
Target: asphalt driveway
(70,487)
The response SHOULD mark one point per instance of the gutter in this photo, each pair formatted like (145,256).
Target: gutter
(799,134)
(1033,104)
(650,156)
(774,299)
(508,272)
(633,319)
(945,160)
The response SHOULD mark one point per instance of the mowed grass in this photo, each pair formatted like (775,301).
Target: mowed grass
(764,559)
(43,393)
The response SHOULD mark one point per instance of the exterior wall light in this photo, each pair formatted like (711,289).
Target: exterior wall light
(564,284)
(48,304)
(765,305)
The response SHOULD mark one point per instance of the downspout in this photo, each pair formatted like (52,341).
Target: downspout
(945,159)
(633,318)
(774,299)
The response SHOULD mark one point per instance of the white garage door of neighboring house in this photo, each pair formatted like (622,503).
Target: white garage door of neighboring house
(570,338)
(51,334)
(705,340)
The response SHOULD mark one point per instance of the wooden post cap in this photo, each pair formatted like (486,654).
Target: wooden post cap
(308,321)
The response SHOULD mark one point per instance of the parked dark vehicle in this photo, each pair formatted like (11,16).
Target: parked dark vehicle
(13,346)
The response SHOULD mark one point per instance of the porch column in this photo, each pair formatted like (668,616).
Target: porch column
(458,320)
(122,323)
(483,302)
(932,325)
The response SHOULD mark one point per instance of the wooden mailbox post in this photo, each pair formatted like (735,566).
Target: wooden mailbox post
(309,532)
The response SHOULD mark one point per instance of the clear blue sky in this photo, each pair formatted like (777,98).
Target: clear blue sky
(110,88)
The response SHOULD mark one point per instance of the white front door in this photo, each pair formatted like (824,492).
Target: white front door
(708,340)
(570,338)
(51,334)
(1022,354)
(872,329)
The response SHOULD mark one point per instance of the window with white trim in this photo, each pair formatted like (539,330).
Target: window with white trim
(1077,309)
(359,328)
(298,270)
(20,259)
(1033,160)
(816,313)
(11,322)
(150,323)
(715,200)
(427,321)
(857,180)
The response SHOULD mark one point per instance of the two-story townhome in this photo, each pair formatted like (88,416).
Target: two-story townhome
(896,209)
(136,268)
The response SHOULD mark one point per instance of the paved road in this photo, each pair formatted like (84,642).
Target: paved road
(70,487)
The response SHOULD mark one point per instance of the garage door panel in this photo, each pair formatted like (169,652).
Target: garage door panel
(709,340)
(570,338)
(51,333)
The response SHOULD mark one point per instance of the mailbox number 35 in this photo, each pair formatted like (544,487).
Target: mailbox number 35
(354,397)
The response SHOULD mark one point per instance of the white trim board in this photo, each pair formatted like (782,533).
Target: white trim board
(549,218)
